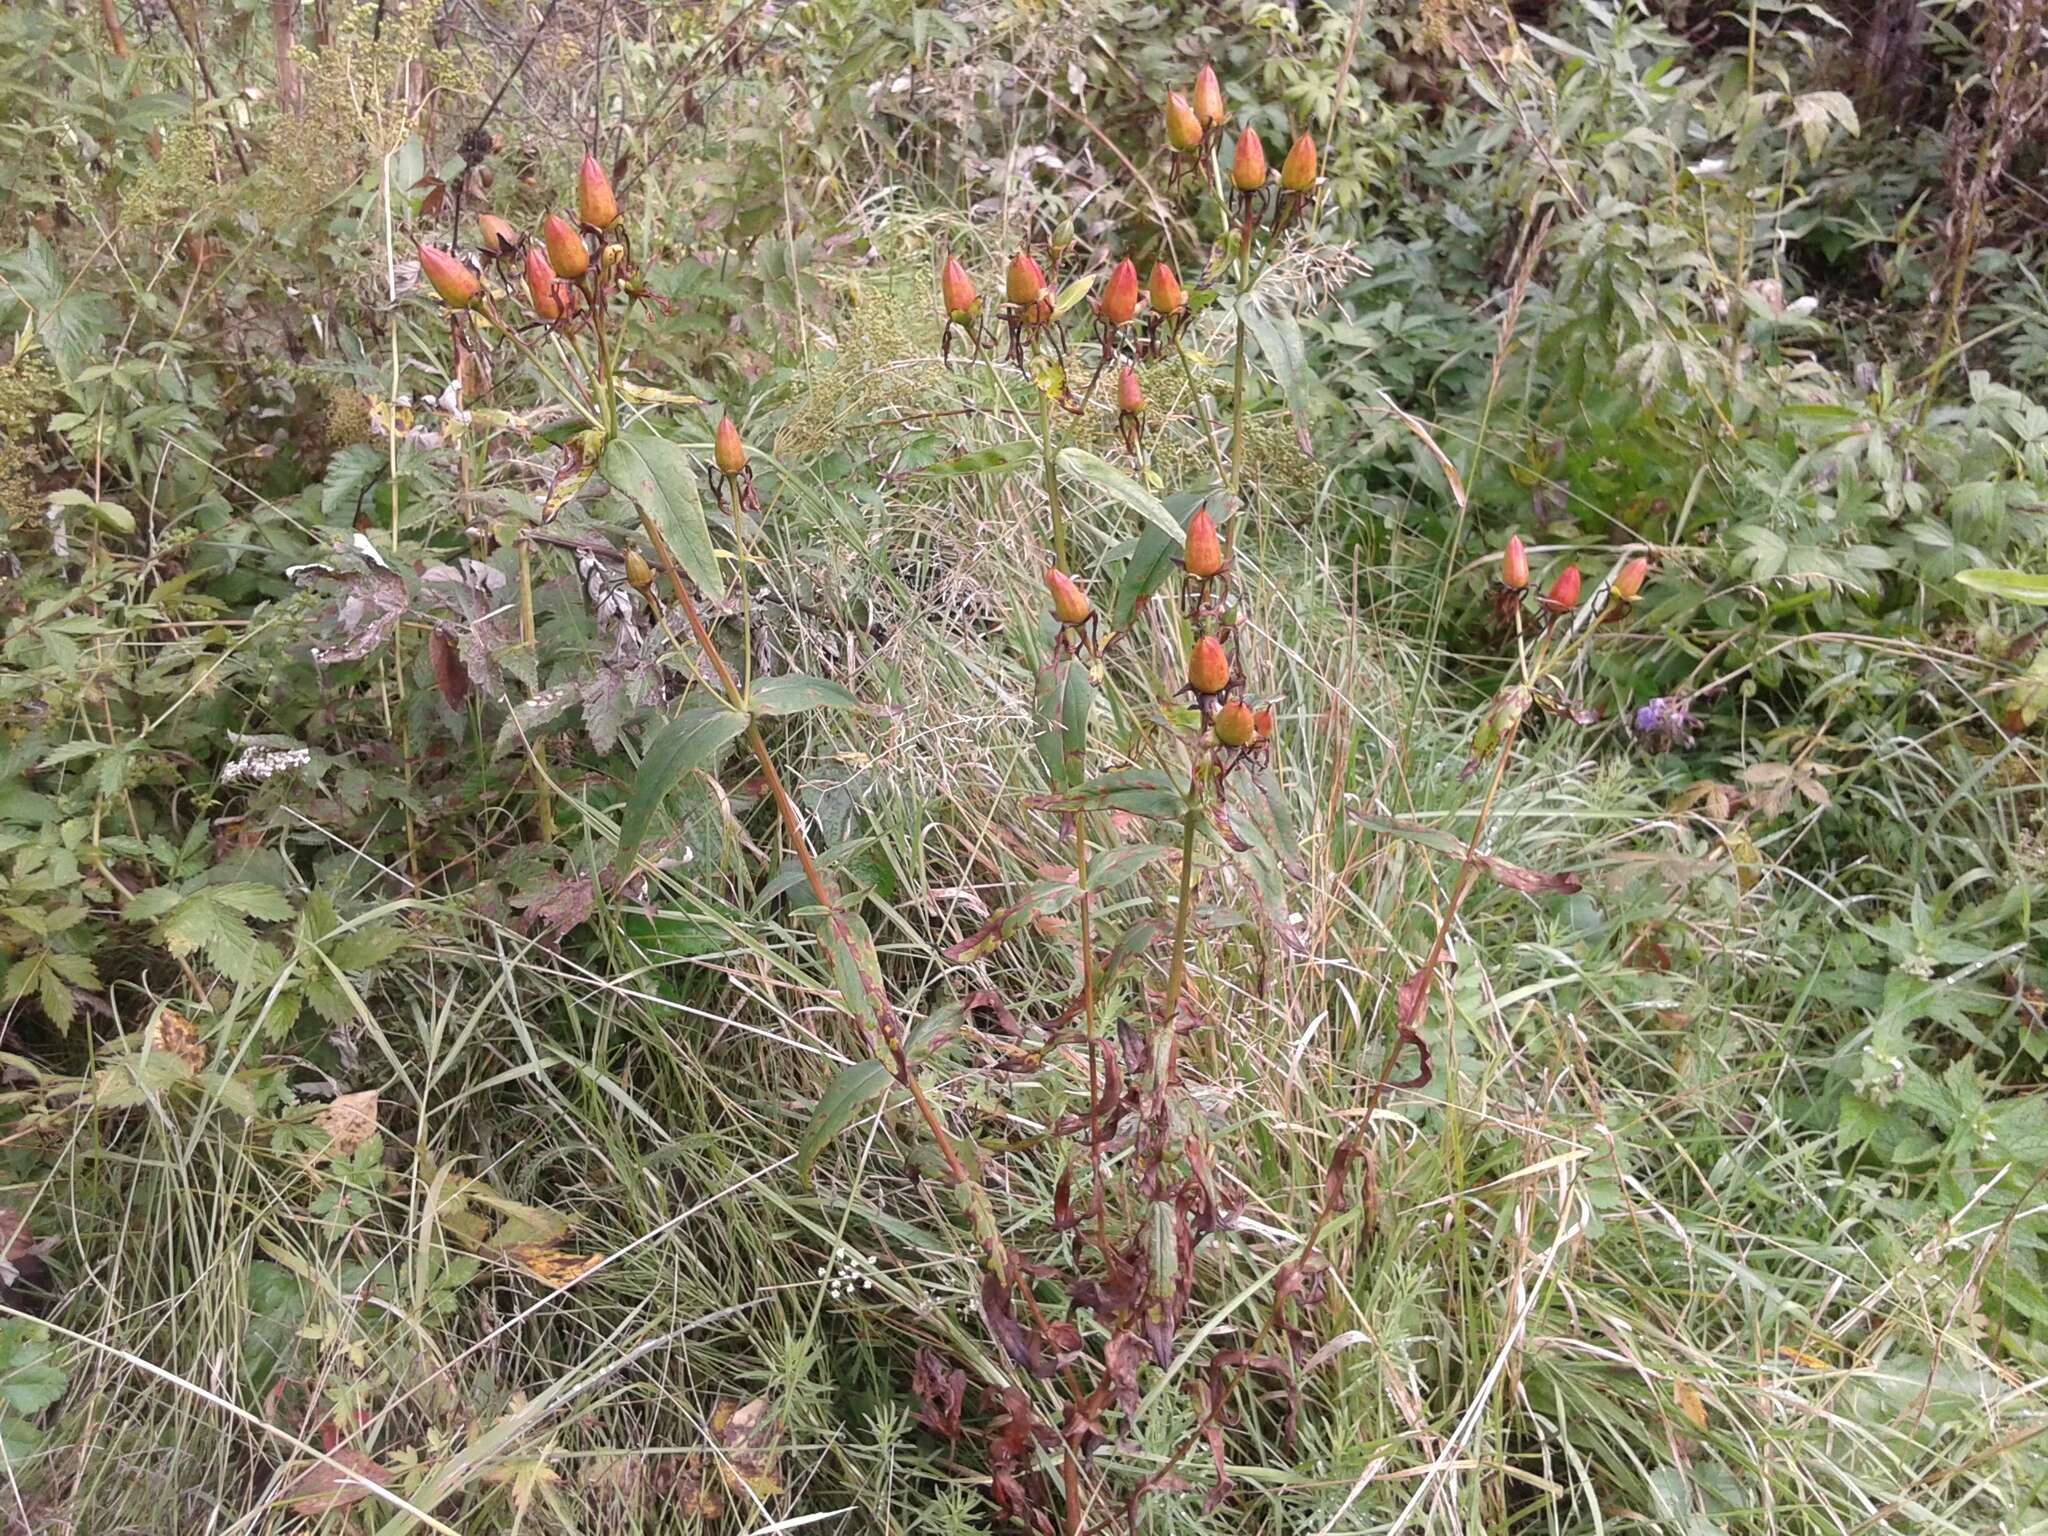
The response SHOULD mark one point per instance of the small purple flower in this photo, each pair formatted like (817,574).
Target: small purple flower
(1665,724)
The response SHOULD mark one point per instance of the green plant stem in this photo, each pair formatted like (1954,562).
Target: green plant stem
(543,801)
(1201,399)
(1165,1049)
(1052,483)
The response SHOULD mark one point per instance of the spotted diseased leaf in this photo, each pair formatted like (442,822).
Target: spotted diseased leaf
(1140,791)
(170,1031)
(1530,882)
(345,1479)
(450,676)
(1042,900)
(1111,867)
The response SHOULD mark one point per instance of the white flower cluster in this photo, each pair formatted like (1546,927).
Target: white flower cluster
(847,1274)
(257,762)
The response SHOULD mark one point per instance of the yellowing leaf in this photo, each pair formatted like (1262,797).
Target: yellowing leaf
(747,1436)
(546,1262)
(349,1121)
(171,1032)
(1690,1404)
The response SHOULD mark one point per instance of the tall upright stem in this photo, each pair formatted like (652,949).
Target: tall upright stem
(1167,1046)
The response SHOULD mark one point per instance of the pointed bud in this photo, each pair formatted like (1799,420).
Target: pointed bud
(1298,170)
(1183,128)
(1208,667)
(499,238)
(1167,297)
(1514,565)
(726,450)
(567,253)
(454,282)
(1203,556)
(595,205)
(1130,398)
(1563,595)
(541,287)
(1628,583)
(1120,295)
(1060,241)
(1248,167)
(1235,725)
(1070,604)
(639,574)
(956,293)
(1208,99)
(1024,283)
(1262,724)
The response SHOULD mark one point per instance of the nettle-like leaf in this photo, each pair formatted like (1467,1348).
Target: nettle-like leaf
(215,920)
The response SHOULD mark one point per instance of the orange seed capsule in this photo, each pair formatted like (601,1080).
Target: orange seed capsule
(727,452)
(1130,397)
(1514,564)
(956,292)
(1024,283)
(566,251)
(595,205)
(1262,724)
(639,574)
(1070,604)
(1563,595)
(1165,290)
(454,282)
(1208,99)
(1208,667)
(1183,128)
(1298,170)
(1628,582)
(499,238)
(1248,167)
(1203,556)
(1235,724)
(1120,295)
(540,285)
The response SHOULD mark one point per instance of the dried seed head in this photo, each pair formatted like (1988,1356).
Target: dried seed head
(639,574)
(541,287)
(499,238)
(566,252)
(1563,595)
(1235,724)
(1628,583)
(1070,604)
(1208,667)
(1120,295)
(595,205)
(956,293)
(1514,564)
(1183,128)
(1262,724)
(1203,556)
(1130,398)
(1298,170)
(726,450)
(1248,166)
(1024,283)
(1166,294)
(455,283)
(1208,99)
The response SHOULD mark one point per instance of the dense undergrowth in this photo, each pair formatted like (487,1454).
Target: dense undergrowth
(469,1065)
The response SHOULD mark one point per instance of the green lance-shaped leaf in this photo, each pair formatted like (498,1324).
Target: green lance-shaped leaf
(794,693)
(1140,791)
(853,1087)
(1098,473)
(985,461)
(2013,586)
(1065,697)
(1279,337)
(680,747)
(659,479)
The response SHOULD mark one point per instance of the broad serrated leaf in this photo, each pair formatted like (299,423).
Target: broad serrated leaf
(265,903)
(680,747)
(204,922)
(1097,472)
(794,693)
(852,1089)
(659,479)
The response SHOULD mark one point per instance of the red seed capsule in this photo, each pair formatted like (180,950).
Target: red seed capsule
(1248,166)
(1236,726)
(1514,564)
(1120,295)
(956,293)
(1262,724)
(595,205)
(541,287)
(566,251)
(1183,128)
(1024,283)
(1208,667)
(1165,291)
(1070,604)
(454,282)
(726,450)
(1203,556)
(1208,99)
(1298,170)
(1563,595)
(1628,582)
(1130,398)
(499,238)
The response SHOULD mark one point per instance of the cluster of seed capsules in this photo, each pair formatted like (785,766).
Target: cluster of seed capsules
(1195,126)
(1238,731)
(1561,598)
(570,270)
